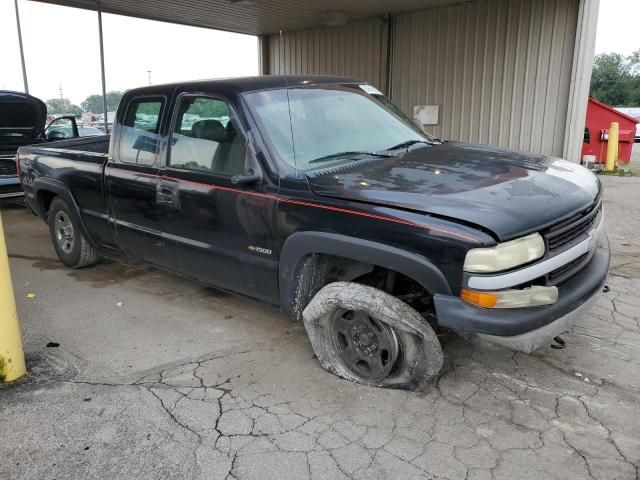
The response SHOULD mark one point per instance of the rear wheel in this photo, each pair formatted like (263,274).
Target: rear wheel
(369,336)
(70,244)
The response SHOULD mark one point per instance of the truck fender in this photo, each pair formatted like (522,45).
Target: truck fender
(301,244)
(59,189)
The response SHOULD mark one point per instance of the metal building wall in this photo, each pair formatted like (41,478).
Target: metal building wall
(500,70)
(358,49)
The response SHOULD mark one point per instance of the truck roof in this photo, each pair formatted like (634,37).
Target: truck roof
(249,84)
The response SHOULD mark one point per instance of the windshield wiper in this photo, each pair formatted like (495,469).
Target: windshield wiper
(408,144)
(346,154)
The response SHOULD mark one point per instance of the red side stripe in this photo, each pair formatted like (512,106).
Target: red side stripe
(302,203)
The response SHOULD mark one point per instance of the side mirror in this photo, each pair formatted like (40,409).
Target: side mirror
(56,135)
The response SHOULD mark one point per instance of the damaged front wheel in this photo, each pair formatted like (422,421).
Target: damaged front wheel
(369,336)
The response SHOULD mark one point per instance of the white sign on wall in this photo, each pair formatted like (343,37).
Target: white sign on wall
(426,114)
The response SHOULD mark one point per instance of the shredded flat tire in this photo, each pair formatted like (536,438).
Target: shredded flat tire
(421,356)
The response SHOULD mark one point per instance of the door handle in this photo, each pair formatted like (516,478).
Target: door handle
(168,194)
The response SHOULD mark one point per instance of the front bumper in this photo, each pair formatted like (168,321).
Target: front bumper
(10,187)
(528,328)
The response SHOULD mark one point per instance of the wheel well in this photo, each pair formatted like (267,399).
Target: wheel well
(317,270)
(45,197)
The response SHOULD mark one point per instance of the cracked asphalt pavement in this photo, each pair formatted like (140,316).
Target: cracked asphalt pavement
(159,377)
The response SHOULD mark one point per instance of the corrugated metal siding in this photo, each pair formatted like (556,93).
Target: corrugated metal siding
(357,50)
(499,69)
(262,18)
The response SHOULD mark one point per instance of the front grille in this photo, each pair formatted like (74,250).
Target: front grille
(565,271)
(10,190)
(570,231)
(8,166)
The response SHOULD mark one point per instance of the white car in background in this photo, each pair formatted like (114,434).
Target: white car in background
(635,113)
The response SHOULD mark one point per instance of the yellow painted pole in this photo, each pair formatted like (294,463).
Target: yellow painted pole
(12,364)
(612,147)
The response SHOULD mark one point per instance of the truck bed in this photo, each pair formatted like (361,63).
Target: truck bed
(98,144)
(77,166)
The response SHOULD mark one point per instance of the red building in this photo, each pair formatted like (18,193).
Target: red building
(596,133)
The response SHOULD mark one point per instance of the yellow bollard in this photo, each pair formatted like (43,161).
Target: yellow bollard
(612,147)
(12,364)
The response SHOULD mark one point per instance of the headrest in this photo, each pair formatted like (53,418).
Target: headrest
(209,130)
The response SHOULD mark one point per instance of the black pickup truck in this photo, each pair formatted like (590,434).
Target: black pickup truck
(316,194)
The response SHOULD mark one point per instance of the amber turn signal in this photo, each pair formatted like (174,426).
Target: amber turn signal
(534,296)
(479,299)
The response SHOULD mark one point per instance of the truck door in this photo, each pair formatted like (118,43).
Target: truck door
(137,199)
(223,225)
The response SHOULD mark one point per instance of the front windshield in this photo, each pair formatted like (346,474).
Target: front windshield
(330,124)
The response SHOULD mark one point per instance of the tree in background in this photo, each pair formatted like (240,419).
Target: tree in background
(634,97)
(205,108)
(616,79)
(93,103)
(59,106)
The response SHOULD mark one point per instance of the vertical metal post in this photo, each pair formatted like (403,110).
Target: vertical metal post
(391,46)
(11,354)
(264,55)
(104,82)
(24,68)
(612,147)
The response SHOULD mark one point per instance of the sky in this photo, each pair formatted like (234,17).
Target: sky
(618,28)
(62,52)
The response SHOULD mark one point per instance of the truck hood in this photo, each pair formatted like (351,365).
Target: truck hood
(508,192)
(22,118)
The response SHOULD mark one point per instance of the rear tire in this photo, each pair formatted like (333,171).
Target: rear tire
(70,244)
(371,337)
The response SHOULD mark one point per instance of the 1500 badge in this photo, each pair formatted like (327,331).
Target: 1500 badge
(266,251)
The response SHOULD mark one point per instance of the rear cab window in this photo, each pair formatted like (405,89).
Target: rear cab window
(139,133)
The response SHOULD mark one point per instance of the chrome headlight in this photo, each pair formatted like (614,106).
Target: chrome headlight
(505,255)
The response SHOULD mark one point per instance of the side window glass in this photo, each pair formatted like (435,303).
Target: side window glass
(139,139)
(205,138)
(60,129)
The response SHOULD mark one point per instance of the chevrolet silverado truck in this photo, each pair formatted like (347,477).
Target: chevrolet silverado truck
(22,122)
(316,194)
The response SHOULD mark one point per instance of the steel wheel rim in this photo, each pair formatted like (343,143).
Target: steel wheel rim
(365,346)
(63,229)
